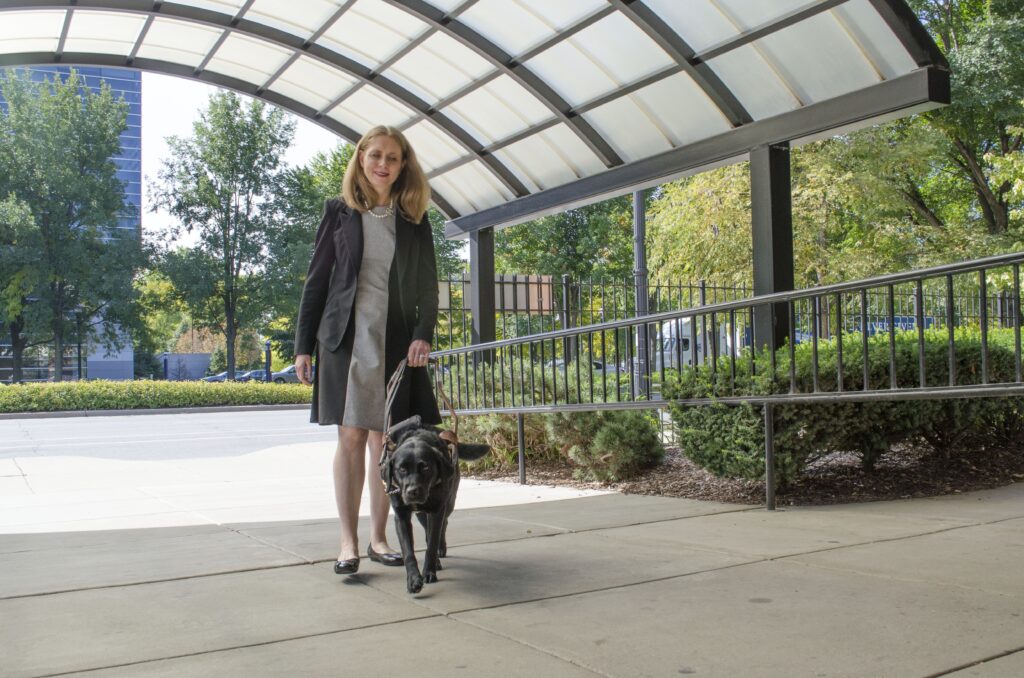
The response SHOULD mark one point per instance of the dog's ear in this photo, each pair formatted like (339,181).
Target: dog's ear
(445,467)
(387,471)
(472,451)
(403,428)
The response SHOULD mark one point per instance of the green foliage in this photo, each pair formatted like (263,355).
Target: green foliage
(592,240)
(62,199)
(730,440)
(222,184)
(500,432)
(128,395)
(606,446)
(982,42)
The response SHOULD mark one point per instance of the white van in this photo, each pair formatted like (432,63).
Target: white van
(674,341)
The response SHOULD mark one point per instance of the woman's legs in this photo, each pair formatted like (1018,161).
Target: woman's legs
(379,502)
(349,468)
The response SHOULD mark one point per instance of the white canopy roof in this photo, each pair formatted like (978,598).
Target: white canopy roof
(521,107)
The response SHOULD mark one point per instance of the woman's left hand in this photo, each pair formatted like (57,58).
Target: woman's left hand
(419,352)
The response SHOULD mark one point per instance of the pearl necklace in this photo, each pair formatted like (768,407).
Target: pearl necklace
(389,211)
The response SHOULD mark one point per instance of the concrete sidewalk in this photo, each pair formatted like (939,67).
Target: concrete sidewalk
(606,585)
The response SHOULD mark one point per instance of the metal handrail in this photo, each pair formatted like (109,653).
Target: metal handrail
(520,363)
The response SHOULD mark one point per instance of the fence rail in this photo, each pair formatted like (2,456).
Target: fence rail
(535,304)
(624,363)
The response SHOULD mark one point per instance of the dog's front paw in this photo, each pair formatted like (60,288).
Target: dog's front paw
(430,577)
(414,583)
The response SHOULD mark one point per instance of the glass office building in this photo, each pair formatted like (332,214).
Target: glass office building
(99,363)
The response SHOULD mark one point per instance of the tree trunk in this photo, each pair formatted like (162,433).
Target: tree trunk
(58,353)
(18,343)
(916,201)
(229,337)
(993,205)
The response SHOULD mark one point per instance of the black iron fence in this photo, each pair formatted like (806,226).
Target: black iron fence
(527,305)
(532,304)
(624,363)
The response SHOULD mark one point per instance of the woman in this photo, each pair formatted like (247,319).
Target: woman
(370,300)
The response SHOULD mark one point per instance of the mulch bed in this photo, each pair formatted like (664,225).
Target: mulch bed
(837,479)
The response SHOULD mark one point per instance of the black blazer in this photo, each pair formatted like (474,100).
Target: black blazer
(330,290)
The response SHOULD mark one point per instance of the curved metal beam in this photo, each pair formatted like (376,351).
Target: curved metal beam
(28,59)
(662,34)
(241,25)
(510,66)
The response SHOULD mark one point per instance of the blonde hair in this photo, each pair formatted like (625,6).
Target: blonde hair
(411,190)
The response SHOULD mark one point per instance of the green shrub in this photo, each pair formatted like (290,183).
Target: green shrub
(608,446)
(729,440)
(126,395)
(500,432)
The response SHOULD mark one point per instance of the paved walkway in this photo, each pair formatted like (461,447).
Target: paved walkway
(116,564)
(606,585)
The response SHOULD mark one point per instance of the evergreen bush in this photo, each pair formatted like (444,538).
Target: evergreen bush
(730,440)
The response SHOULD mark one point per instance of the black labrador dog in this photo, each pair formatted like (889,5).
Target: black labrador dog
(421,472)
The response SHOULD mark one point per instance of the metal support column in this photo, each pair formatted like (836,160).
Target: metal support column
(642,294)
(772,226)
(481,280)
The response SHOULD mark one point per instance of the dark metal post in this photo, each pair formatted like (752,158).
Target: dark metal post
(266,362)
(78,320)
(769,457)
(641,293)
(521,434)
(481,278)
(569,347)
(772,222)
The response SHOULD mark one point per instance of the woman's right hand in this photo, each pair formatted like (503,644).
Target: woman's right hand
(304,368)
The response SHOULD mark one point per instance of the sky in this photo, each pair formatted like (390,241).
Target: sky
(169,107)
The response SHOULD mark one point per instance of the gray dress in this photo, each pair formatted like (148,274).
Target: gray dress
(365,390)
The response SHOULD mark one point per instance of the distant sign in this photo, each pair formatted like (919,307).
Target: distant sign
(901,322)
(522,293)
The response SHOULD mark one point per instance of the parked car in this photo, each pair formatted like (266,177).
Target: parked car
(287,375)
(252,375)
(223,376)
(595,365)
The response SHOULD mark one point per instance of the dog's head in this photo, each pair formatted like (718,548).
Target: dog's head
(419,463)
(420,459)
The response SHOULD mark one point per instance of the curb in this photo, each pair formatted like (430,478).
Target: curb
(166,410)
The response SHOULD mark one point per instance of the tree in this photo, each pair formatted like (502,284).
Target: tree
(699,229)
(595,240)
(982,42)
(19,249)
(59,137)
(222,184)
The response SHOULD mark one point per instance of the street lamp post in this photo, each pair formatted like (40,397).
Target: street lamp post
(78,321)
(266,370)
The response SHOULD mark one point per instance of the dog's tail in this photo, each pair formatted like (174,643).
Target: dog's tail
(472,451)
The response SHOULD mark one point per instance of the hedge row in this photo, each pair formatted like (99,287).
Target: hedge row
(729,441)
(127,395)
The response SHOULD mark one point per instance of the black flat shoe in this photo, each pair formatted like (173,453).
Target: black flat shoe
(348,566)
(389,559)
